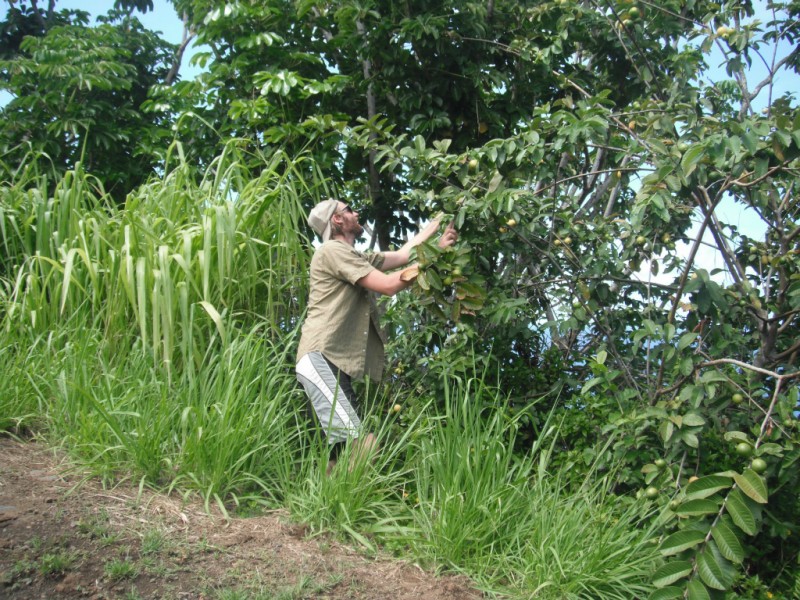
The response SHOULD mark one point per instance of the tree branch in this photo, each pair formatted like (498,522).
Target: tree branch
(768,80)
(188,36)
(38,15)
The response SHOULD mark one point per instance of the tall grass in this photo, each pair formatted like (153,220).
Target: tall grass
(451,492)
(511,523)
(187,250)
(230,432)
(155,341)
(365,499)
(21,402)
(156,337)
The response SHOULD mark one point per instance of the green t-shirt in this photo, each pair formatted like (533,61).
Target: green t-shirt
(342,320)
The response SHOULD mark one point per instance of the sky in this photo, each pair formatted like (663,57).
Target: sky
(162,19)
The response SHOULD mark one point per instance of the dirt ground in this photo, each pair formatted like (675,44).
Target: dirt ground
(59,539)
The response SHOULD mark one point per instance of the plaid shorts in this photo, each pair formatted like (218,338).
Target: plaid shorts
(331,396)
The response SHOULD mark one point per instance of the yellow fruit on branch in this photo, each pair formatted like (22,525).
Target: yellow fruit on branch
(724,32)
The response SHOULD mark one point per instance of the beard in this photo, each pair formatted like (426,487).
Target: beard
(355,228)
(348,228)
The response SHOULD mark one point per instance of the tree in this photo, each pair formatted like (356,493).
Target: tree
(577,218)
(77,94)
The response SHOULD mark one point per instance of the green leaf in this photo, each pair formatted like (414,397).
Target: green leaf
(750,141)
(667,593)
(455,310)
(697,507)
(687,339)
(697,591)
(497,179)
(693,420)
(707,486)
(736,436)
(590,384)
(680,541)
(710,376)
(472,303)
(690,159)
(727,542)
(741,513)
(217,318)
(434,280)
(671,572)
(686,366)
(690,439)
(666,429)
(714,571)
(752,484)
(470,289)
(769,448)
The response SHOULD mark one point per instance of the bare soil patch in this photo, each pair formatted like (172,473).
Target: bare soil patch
(60,538)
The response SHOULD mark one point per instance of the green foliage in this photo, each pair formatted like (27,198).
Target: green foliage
(587,155)
(77,94)
(484,507)
(120,569)
(57,562)
(442,287)
(164,315)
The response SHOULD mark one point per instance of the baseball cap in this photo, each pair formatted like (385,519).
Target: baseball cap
(320,218)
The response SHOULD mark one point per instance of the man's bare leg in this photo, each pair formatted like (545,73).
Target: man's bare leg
(363,448)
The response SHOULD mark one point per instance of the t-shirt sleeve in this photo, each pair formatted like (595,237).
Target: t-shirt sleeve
(348,264)
(376,259)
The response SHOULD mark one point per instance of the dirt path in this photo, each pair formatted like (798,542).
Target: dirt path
(60,542)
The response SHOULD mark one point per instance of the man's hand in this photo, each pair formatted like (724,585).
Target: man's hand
(400,257)
(425,233)
(449,237)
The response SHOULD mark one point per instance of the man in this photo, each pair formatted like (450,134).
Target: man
(341,338)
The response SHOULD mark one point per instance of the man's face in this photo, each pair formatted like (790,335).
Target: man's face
(349,220)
